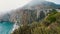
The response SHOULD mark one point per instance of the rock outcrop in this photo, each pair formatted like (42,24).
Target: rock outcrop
(33,11)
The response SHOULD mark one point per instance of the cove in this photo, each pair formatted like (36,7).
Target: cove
(6,27)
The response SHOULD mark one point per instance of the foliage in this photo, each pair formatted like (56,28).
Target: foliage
(50,25)
(51,17)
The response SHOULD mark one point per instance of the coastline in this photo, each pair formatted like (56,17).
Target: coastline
(15,26)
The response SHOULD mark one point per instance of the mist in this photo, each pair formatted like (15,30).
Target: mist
(8,5)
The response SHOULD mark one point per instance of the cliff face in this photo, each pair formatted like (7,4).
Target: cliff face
(25,16)
(33,11)
(49,25)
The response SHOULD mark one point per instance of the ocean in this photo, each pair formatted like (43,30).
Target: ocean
(6,27)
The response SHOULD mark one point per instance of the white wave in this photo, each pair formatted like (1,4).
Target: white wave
(15,26)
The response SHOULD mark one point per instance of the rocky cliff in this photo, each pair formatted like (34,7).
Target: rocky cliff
(33,11)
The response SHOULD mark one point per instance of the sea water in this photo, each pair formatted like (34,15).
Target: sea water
(6,27)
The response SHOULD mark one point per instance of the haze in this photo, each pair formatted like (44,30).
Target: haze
(6,5)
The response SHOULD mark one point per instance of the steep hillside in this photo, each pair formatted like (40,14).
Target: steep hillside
(34,11)
(49,25)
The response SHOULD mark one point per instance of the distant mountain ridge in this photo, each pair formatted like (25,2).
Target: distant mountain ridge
(33,8)
(42,3)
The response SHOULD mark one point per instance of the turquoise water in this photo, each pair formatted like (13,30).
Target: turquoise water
(6,27)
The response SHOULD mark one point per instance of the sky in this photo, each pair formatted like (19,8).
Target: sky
(55,1)
(6,5)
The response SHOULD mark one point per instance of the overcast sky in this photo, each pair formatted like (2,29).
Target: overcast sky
(55,1)
(6,5)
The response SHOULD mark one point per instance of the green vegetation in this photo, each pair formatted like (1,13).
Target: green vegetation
(49,25)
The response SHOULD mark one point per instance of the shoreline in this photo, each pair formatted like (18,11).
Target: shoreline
(15,26)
